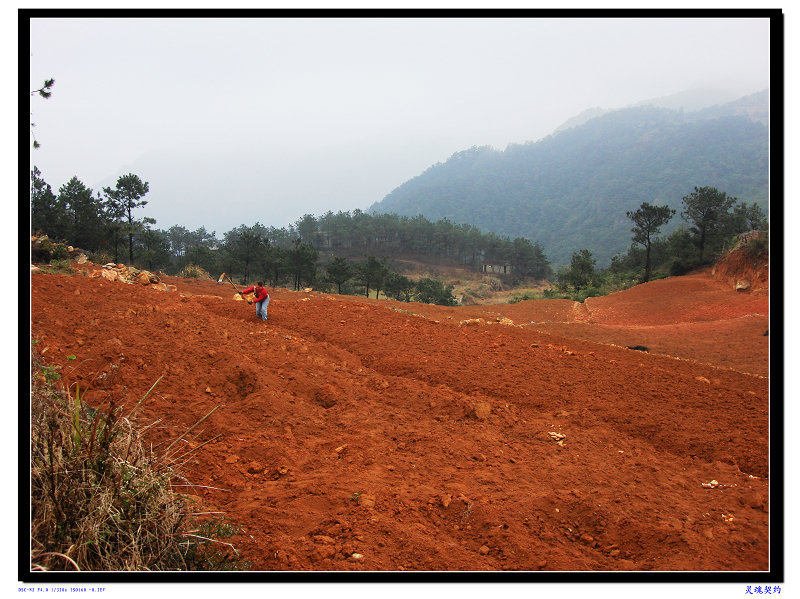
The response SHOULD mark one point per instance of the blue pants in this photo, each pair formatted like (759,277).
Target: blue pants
(261,309)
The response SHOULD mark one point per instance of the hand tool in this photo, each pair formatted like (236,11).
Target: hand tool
(224,276)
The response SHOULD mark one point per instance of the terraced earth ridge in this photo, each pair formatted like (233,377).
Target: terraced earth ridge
(366,435)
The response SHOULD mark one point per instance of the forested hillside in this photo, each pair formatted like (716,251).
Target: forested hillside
(571,190)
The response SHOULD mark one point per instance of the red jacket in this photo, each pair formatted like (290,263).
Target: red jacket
(260,292)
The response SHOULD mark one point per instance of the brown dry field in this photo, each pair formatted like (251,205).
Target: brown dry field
(368,435)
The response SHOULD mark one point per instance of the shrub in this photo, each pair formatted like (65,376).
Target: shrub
(757,246)
(59,252)
(399,287)
(100,257)
(494,283)
(482,291)
(682,266)
(433,291)
(324,285)
(44,250)
(521,297)
(40,255)
(659,274)
(584,294)
(192,271)
(60,266)
(99,499)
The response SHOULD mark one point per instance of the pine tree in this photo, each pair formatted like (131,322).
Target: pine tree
(81,212)
(707,209)
(339,271)
(44,209)
(125,198)
(648,220)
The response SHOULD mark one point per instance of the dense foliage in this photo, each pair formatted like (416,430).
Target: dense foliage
(577,185)
(347,244)
(647,221)
(713,223)
(354,253)
(568,191)
(334,252)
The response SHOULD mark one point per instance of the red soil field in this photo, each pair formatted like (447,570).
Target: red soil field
(367,435)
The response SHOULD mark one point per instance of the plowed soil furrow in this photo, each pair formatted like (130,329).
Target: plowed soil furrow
(357,434)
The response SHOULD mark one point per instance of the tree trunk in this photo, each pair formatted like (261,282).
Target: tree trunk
(130,235)
(702,242)
(116,246)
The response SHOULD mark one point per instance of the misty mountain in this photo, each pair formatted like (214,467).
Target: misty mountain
(581,119)
(571,190)
(705,102)
(692,99)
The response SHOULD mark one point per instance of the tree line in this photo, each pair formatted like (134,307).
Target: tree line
(347,251)
(91,222)
(712,222)
(353,252)
(391,235)
(575,185)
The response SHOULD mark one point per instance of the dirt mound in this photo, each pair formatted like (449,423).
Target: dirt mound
(360,434)
(746,266)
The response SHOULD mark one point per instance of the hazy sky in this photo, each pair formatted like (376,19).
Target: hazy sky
(234,121)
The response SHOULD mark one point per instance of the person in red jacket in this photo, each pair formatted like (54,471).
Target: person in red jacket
(261,299)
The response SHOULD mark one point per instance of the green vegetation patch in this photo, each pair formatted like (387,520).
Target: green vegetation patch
(100,500)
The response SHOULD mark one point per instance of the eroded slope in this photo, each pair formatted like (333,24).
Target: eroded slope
(363,435)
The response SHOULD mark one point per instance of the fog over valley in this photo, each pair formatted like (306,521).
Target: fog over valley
(233,121)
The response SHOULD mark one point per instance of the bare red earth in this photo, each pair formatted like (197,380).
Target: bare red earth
(359,434)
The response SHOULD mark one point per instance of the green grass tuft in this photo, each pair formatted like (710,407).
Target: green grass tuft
(101,501)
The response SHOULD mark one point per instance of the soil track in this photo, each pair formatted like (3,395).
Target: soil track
(359,434)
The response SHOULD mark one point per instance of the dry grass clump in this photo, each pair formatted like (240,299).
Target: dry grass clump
(757,246)
(99,499)
(484,290)
(192,271)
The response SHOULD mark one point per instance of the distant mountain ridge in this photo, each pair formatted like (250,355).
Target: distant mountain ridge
(571,190)
(691,100)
